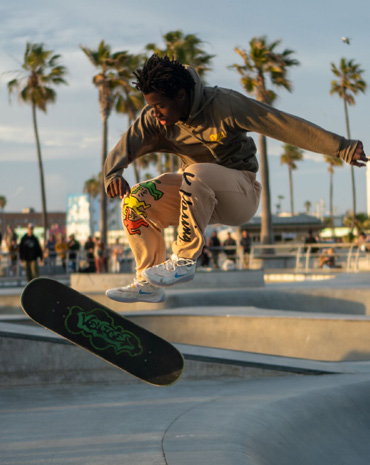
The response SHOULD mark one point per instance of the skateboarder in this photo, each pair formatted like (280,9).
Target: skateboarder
(206,127)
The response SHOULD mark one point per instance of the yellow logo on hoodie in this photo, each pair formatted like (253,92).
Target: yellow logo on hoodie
(217,137)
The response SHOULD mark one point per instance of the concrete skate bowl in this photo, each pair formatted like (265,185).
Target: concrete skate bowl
(302,420)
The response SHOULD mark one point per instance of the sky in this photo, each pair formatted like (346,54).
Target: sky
(71,130)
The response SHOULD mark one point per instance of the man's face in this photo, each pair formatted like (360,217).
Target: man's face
(168,111)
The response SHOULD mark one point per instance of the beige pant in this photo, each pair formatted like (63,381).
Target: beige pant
(203,194)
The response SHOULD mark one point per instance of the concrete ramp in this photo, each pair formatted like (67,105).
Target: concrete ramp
(325,337)
(306,421)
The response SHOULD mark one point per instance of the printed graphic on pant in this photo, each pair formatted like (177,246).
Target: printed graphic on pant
(134,207)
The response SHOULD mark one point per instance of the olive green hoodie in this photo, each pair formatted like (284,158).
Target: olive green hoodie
(216,132)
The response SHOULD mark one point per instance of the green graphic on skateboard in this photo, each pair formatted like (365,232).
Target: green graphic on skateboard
(102,331)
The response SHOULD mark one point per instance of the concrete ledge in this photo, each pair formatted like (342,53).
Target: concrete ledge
(313,337)
(313,300)
(349,294)
(215,279)
(35,361)
(32,355)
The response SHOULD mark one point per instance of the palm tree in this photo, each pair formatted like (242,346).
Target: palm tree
(362,222)
(92,188)
(349,84)
(129,100)
(333,162)
(2,206)
(290,156)
(260,62)
(114,74)
(3,202)
(307,206)
(40,71)
(187,49)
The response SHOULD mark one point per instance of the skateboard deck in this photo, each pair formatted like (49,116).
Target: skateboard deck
(100,330)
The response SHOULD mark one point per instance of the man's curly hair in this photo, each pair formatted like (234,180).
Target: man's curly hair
(164,76)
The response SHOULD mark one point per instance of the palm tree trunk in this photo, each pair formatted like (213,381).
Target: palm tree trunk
(41,171)
(137,171)
(331,200)
(267,233)
(159,164)
(352,169)
(103,198)
(91,212)
(291,192)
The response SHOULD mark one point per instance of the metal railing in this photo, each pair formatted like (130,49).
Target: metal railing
(305,257)
(299,257)
(73,262)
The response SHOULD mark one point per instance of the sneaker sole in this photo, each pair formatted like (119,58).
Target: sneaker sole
(127,300)
(183,280)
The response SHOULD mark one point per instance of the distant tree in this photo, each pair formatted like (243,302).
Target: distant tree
(279,204)
(40,71)
(3,202)
(261,62)
(187,49)
(289,157)
(92,188)
(2,206)
(307,206)
(362,221)
(130,101)
(333,162)
(348,84)
(113,79)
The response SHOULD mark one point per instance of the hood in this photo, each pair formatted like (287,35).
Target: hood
(199,97)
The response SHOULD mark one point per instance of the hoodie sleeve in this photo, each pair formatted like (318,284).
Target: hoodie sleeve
(255,116)
(141,138)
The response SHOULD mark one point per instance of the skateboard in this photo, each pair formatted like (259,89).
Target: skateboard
(101,331)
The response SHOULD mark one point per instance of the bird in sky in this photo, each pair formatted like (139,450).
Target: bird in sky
(346,40)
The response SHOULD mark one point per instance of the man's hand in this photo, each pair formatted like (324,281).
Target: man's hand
(118,186)
(359,157)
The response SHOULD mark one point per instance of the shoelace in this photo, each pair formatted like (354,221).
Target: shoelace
(171,264)
(138,283)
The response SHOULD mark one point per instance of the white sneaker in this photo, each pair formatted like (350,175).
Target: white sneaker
(173,271)
(138,291)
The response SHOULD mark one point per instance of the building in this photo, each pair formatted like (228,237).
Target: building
(19,220)
(286,227)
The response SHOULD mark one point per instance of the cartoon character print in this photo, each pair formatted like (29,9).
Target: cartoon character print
(132,203)
(133,209)
(151,187)
(133,225)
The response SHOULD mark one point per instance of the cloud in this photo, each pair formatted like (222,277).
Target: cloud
(19,190)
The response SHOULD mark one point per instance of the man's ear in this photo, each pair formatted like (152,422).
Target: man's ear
(181,95)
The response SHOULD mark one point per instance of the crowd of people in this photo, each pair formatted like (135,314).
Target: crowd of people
(91,257)
(94,257)
(214,247)
(328,257)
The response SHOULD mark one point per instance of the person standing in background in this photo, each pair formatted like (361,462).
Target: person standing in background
(30,252)
(246,244)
